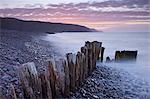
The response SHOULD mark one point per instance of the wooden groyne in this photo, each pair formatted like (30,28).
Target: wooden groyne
(61,76)
(125,55)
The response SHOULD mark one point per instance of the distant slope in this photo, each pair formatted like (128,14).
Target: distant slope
(38,26)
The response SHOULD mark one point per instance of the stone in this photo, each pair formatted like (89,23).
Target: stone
(94,96)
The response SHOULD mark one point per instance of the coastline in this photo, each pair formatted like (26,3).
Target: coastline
(110,83)
(18,48)
(105,82)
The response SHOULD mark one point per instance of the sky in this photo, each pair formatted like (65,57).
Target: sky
(105,15)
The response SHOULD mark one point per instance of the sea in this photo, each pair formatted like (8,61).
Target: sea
(71,42)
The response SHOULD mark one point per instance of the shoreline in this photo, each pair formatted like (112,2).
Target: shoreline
(110,83)
(18,48)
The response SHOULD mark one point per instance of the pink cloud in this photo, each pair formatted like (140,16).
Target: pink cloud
(83,13)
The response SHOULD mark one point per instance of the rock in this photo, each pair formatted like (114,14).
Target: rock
(94,96)
(109,83)
(84,94)
(36,58)
(14,79)
(83,91)
(5,69)
(6,77)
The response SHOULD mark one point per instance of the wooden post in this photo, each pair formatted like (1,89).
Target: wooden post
(129,55)
(52,76)
(117,55)
(60,80)
(71,65)
(67,79)
(98,49)
(30,82)
(13,92)
(102,53)
(46,88)
(93,54)
(89,47)
(77,69)
(125,55)
(85,65)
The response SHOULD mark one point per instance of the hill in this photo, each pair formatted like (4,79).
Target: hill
(39,26)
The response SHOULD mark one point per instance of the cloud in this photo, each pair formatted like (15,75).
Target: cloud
(84,13)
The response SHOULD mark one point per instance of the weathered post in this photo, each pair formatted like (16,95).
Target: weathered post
(60,84)
(45,85)
(71,65)
(13,92)
(117,55)
(98,49)
(67,79)
(125,55)
(129,55)
(52,76)
(89,47)
(94,58)
(85,65)
(77,69)
(96,52)
(102,53)
(30,82)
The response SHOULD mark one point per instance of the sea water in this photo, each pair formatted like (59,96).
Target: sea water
(112,41)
